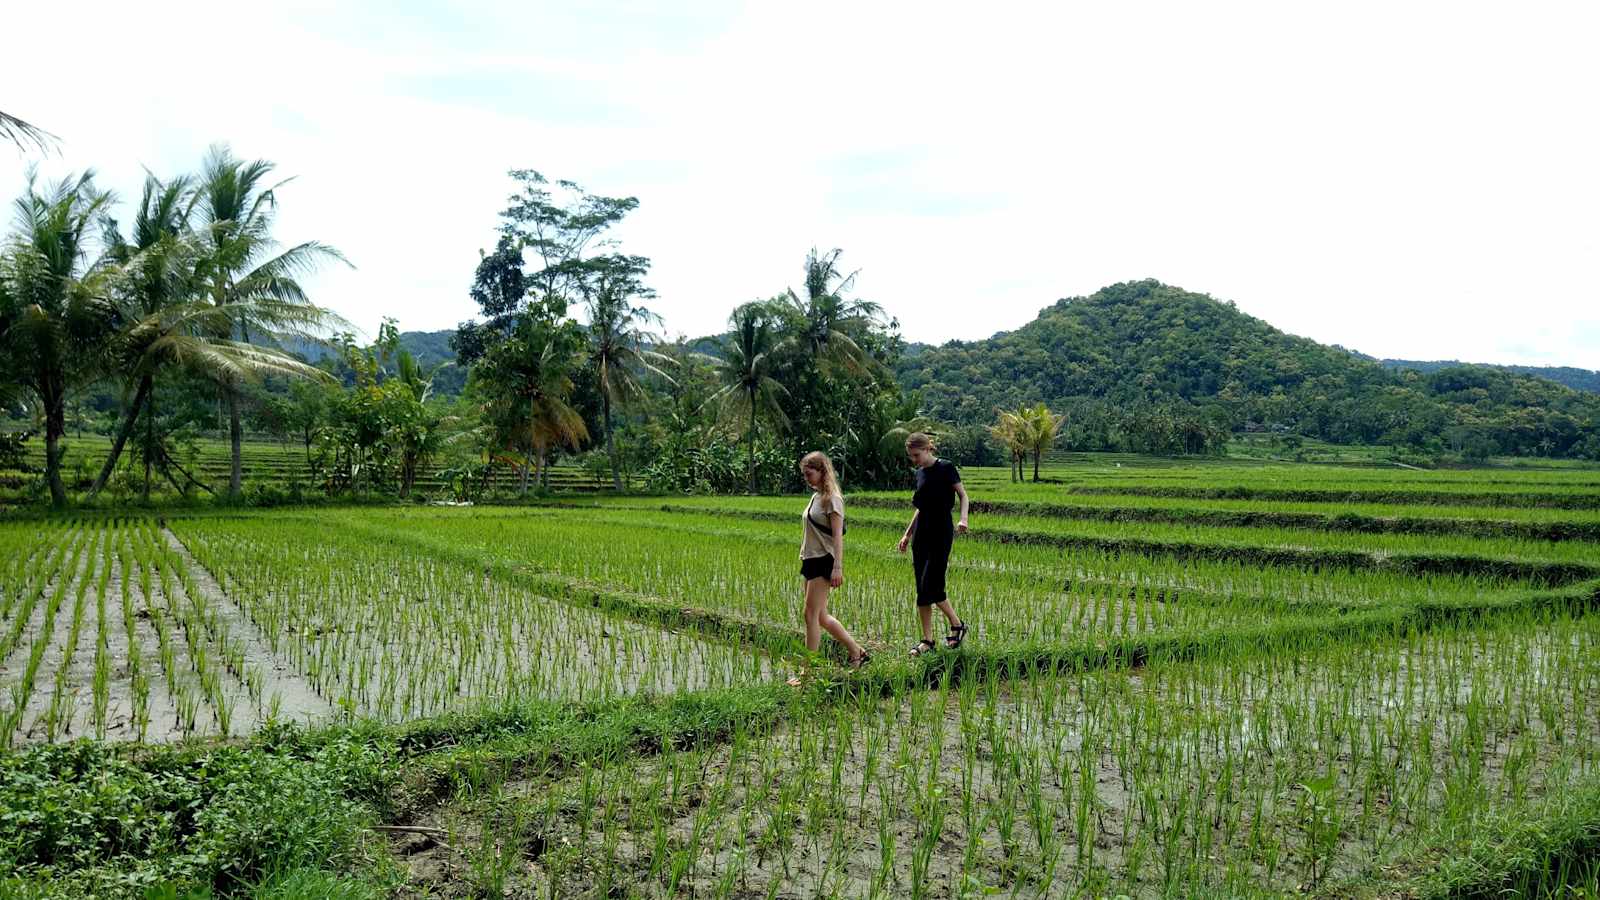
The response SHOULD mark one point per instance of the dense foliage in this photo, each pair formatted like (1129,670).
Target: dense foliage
(1145,366)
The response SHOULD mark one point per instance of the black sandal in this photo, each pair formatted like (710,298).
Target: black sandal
(923,647)
(860,661)
(958,633)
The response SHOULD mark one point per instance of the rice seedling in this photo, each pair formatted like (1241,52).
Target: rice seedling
(436,636)
(1272,771)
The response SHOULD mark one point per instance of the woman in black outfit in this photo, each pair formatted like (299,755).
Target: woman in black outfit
(930,536)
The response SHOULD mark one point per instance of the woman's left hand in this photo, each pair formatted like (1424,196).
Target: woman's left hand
(961,527)
(838,576)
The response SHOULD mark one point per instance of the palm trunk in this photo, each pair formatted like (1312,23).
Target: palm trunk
(123,434)
(752,440)
(1036,454)
(55,427)
(544,471)
(611,444)
(150,445)
(236,438)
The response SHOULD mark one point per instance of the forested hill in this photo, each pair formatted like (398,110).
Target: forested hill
(1145,349)
(1577,379)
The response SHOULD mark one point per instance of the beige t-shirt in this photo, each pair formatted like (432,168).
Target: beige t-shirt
(817,529)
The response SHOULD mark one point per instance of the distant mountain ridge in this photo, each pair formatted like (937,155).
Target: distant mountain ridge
(431,349)
(1577,379)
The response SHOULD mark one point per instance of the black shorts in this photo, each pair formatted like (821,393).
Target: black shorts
(817,567)
(930,556)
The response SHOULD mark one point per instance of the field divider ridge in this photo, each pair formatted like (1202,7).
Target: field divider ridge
(1231,518)
(1535,499)
(1547,574)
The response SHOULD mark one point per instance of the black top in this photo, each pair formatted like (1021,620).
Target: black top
(936,488)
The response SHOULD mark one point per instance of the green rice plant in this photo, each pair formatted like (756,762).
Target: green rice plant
(1168,777)
(435,636)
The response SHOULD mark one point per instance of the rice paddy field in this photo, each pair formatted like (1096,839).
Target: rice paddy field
(1226,680)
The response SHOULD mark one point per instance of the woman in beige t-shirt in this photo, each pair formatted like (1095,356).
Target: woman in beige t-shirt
(822,556)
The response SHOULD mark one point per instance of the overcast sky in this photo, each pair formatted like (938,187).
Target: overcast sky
(1418,180)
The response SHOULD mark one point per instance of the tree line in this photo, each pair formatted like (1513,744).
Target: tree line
(188,288)
(806,367)
(187,320)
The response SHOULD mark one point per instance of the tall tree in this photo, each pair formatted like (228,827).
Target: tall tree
(54,303)
(1038,431)
(560,229)
(165,320)
(527,382)
(824,321)
(1011,432)
(500,288)
(618,338)
(237,209)
(745,369)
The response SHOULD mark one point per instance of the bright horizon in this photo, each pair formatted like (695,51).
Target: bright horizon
(1411,182)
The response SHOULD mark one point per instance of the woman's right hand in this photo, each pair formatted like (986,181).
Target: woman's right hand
(903,542)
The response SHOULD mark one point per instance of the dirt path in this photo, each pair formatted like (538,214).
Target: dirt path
(36,708)
(283,690)
(50,716)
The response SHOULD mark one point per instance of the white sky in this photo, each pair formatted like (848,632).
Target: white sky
(1411,179)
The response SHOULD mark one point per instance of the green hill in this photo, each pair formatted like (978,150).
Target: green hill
(1138,353)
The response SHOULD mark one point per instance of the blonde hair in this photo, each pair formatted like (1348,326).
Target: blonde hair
(820,462)
(919,441)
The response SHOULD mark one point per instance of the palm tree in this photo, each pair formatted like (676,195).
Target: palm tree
(745,372)
(1041,427)
(22,134)
(878,438)
(528,380)
(243,262)
(1010,431)
(167,322)
(618,339)
(419,436)
(54,303)
(823,321)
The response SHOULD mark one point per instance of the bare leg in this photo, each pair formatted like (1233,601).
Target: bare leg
(817,619)
(925,614)
(813,613)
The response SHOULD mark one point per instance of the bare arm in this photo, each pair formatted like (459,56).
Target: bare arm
(910,531)
(961,524)
(837,521)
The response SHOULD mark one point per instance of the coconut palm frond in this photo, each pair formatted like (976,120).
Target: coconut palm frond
(23,134)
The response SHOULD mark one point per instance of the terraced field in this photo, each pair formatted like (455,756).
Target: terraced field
(1166,692)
